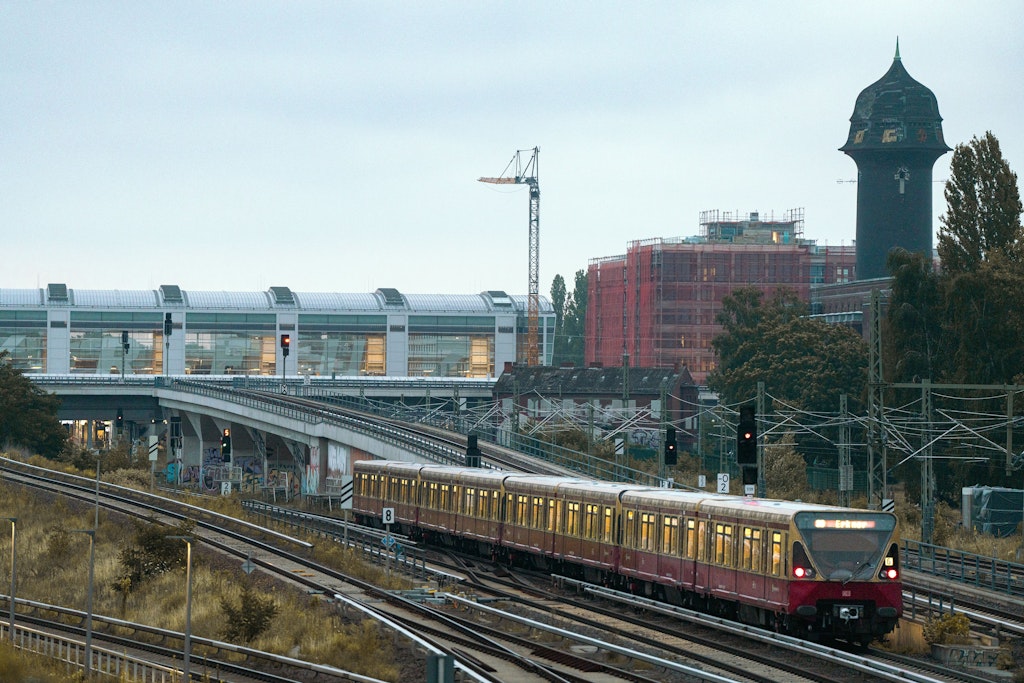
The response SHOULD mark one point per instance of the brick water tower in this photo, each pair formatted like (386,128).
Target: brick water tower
(895,138)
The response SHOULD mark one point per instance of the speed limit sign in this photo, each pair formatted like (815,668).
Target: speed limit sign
(389,515)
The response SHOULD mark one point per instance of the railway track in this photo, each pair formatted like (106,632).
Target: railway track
(709,644)
(483,651)
(473,651)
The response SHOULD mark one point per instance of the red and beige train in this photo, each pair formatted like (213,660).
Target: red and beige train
(811,570)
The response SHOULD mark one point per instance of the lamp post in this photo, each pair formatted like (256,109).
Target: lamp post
(96,524)
(14,567)
(88,600)
(186,667)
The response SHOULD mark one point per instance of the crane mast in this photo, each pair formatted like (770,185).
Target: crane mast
(525,173)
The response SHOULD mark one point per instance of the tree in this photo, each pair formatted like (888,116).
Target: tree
(964,324)
(250,617)
(574,320)
(983,208)
(558,297)
(28,415)
(777,344)
(913,333)
(984,323)
(785,470)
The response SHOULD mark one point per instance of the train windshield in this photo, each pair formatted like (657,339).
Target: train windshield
(845,546)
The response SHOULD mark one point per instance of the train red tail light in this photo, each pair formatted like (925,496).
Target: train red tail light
(802,568)
(891,564)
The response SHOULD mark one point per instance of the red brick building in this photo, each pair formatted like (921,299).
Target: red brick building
(658,302)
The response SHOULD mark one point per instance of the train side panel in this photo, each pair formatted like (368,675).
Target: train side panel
(588,535)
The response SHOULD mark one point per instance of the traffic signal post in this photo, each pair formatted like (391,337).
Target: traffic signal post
(749,456)
(286,344)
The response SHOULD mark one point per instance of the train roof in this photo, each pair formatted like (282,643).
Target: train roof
(779,510)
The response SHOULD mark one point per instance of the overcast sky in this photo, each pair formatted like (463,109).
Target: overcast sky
(335,146)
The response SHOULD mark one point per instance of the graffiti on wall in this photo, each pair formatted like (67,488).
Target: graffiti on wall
(311,482)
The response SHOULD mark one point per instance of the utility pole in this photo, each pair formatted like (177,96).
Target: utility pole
(762,484)
(927,471)
(876,430)
(526,173)
(845,465)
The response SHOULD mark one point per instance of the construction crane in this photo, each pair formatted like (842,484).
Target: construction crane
(526,174)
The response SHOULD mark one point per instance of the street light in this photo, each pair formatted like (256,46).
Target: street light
(185,670)
(96,524)
(14,566)
(88,600)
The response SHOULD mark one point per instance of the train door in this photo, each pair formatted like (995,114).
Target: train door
(702,570)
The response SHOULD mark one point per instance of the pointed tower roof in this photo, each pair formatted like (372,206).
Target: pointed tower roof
(895,112)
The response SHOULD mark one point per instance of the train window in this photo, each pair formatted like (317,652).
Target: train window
(629,535)
(590,522)
(777,568)
(723,544)
(670,536)
(703,547)
(446,497)
(608,531)
(691,538)
(648,531)
(523,510)
(539,521)
(432,495)
(572,522)
(752,550)
(469,505)
(552,515)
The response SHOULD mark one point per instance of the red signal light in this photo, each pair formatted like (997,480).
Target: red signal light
(892,573)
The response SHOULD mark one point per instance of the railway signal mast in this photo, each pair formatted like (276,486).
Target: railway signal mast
(526,174)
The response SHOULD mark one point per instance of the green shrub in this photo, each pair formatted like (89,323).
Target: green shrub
(250,618)
(949,629)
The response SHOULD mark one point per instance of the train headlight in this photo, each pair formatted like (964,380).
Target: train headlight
(891,573)
(803,572)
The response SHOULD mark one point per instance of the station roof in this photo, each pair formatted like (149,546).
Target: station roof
(277,298)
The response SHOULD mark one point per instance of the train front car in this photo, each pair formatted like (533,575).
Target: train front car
(844,574)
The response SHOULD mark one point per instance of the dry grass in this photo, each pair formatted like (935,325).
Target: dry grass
(53,566)
(17,666)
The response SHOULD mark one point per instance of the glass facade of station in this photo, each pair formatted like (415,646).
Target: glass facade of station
(451,346)
(230,344)
(338,345)
(23,336)
(97,347)
(57,330)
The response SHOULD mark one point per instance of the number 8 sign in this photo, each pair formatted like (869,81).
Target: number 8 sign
(388,515)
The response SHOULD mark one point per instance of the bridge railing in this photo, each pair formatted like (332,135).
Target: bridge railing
(276,406)
(978,570)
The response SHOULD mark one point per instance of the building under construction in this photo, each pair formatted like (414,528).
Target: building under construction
(656,306)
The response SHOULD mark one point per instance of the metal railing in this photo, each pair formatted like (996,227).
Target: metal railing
(968,568)
(116,665)
(381,432)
